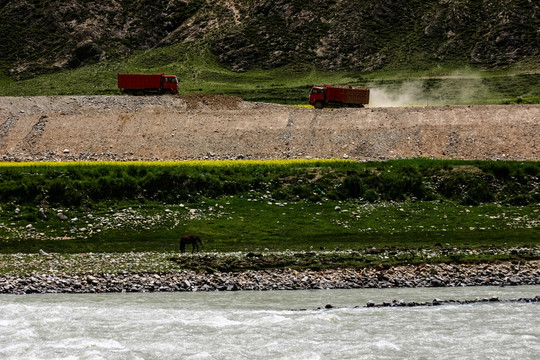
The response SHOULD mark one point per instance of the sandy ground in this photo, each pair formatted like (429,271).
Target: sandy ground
(224,127)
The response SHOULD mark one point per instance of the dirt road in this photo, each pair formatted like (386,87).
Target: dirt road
(224,127)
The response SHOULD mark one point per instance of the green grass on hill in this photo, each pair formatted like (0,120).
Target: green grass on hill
(199,71)
(236,224)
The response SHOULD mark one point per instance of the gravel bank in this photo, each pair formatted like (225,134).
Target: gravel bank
(222,127)
(67,275)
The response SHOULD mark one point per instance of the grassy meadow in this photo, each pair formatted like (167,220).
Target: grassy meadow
(255,206)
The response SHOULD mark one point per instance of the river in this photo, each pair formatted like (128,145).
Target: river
(271,325)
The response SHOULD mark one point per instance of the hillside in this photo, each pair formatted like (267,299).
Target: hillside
(42,36)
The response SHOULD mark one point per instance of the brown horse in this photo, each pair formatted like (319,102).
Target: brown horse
(194,240)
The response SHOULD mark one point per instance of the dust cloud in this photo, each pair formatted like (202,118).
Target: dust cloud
(455,88)
(408,94)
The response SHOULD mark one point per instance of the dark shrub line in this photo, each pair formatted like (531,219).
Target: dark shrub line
(469,183)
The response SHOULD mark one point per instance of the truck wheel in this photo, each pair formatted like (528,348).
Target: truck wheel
(140,93)
(318,105)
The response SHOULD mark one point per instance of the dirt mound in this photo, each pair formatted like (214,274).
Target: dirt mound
(225,127)
(215,102)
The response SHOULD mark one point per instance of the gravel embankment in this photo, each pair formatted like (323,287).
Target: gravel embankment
(98,273)
(223,127)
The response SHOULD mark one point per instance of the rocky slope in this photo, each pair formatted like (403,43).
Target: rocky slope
(39,36)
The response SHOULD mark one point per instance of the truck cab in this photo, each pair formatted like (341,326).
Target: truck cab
(317,96)
(170,83)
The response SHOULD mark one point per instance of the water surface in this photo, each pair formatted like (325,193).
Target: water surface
(269,325)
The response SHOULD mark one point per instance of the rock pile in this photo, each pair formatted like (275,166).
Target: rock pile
(527,273)
(438,302)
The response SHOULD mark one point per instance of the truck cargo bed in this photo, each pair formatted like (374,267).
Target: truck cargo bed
(347,95)
(135,82)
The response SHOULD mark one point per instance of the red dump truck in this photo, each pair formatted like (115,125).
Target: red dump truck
(134,84)
(337,96)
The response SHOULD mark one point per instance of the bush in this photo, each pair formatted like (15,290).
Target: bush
(499,170)
(302,191)
(531,170)
(452,187)
(519,200)
(56,191)
(371,196)
(478,193)
(352,187)
(393,180)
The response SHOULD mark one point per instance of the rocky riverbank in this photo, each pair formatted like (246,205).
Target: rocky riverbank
(60,279)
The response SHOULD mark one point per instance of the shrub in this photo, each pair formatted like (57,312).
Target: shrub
(70,184)
(519,200)
(531,170)
(477,193)
(452,187)
(499,170)
(371,195)
(56,191)
(302,191)
(353,187)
